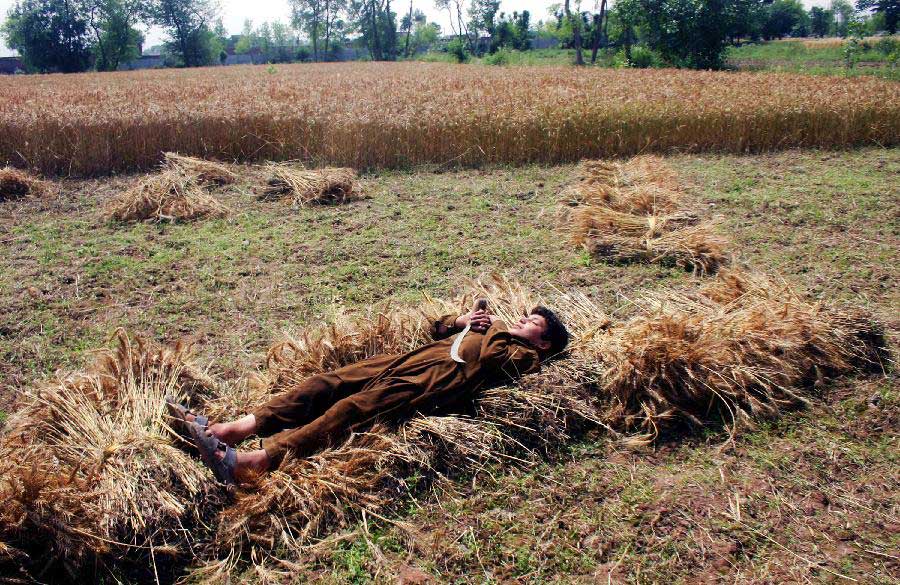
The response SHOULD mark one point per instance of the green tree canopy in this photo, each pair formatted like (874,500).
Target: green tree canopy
(820,21)
(188,24)
(890,9)
(50,35)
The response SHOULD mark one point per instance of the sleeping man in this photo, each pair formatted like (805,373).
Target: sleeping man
(470,352)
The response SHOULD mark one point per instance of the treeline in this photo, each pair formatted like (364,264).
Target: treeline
(76,35)
(695,33)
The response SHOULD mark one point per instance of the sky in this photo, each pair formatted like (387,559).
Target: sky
(234,12)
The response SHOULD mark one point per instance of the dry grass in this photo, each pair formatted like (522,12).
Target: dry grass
(828,42)
(169,195)
(642,185)
(367,115)
(16,184)
(739,347)
(306,186)
(88,468)
(637,211)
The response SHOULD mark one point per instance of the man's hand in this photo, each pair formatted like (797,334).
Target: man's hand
(479,320)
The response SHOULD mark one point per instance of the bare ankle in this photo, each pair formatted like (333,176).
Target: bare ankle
(253,461)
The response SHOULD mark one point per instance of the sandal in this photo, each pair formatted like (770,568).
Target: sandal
(178,412)
(207,445)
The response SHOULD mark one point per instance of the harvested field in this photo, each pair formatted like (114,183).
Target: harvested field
(738,349)
(378,115)
(796,500)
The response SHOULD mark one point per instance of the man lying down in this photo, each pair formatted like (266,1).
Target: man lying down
(470,352)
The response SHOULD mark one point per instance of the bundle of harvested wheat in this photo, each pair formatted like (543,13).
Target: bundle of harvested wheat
(289,507)
(698,247)
(743,346)
(634,211)
(165,196)
(206,172)
(641,185)
(15,184)
(89,468)
(304,186)
(306,496)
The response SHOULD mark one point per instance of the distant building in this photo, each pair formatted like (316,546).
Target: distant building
(11,65)
(544,43)
(143,62)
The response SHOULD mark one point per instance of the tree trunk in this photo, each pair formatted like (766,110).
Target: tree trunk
(328,22)
(598,30)
(408,30)
(463,28)
(605,28)
(576,34)
(595,37)
(376,45)
(392,50)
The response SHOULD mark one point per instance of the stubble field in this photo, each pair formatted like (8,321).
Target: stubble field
(811,498)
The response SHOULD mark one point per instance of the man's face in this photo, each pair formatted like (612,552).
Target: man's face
(531,328)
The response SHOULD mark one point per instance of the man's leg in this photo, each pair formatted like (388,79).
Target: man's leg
(390,399)
(301,404)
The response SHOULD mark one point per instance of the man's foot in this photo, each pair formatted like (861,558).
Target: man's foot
(227,464)
(231,432)
(251,463)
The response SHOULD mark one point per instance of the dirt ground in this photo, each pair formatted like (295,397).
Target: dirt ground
(810,498)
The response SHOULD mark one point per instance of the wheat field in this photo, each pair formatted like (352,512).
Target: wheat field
(403,114)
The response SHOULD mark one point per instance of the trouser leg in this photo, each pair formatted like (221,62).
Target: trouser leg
(300,405)
(338,421)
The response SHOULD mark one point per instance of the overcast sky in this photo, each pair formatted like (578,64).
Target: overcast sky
(234,12)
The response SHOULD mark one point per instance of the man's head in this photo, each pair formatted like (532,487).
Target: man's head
(542,329)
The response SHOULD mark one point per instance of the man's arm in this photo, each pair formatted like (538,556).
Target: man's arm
(445,327)
(506,358)
(451,324)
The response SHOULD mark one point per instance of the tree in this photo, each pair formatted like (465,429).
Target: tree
(746,19)
(783,17)
(627,16)
(309,16)
(483,21)
(411,23)
(334,23)
(247,41)
(844,14)
(685,33)
(187,23)
(454,8)
(50,35)
(576,34)
(889,9)
(377,24)
(820,21)
(424,35)
(597,30)
(115,37)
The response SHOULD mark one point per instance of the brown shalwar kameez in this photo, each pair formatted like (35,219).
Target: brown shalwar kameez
(326,407)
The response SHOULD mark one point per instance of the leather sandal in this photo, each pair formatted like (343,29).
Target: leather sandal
(208,446)
(178,413)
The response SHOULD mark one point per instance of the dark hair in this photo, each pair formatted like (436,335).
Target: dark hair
(555,333)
